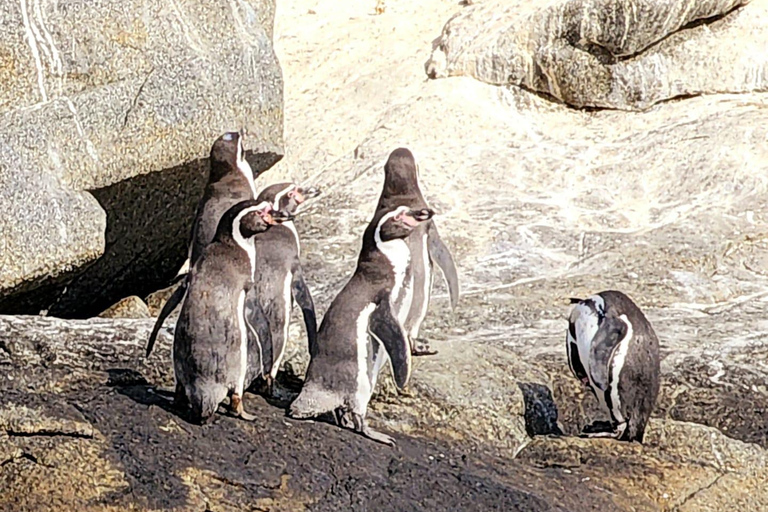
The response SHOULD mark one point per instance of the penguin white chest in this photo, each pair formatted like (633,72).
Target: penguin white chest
(399,256)
(586,325)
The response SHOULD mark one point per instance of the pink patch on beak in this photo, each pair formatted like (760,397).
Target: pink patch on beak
(297,195)
(407,220)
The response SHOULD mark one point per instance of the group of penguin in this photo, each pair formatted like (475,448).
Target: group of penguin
(244,273)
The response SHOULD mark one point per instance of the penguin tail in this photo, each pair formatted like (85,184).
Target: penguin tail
(205,401)
(313,402)
(574,300)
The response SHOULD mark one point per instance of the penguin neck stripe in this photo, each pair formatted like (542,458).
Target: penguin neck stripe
(279,196)
(246,243)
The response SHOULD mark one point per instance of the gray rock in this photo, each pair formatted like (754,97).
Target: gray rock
(121,100)
(80,400)
(609,53)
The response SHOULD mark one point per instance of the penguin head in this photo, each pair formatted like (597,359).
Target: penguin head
(401,175)
(248,218)
(228,156)
(400,221)
(288,197)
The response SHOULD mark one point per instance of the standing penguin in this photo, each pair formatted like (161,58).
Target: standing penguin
(360,328)
(401,187)
(613,350)
(230,181)
(279,278)
(222,336)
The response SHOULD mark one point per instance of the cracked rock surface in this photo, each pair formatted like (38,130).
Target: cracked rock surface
(609,53)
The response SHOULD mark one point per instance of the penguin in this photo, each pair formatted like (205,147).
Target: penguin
(222,337)
(401,187)
(613,350)
(360,330)
(230,181)
(279,278)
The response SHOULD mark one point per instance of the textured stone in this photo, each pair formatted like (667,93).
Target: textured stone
(121,99)
(77,394)
(129,307)
(610,53)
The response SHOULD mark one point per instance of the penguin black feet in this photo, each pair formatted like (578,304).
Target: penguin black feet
(236,408)
(420,347)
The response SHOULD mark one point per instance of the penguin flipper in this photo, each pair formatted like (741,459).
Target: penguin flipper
(608,336)
(304,300)
(259,337)
(383,326)
(440,253)
(168,308)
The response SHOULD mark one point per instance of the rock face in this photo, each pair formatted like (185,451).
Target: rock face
(610,53)
(108,110)
(538,202)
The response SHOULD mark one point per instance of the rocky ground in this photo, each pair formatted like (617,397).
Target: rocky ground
(539,201)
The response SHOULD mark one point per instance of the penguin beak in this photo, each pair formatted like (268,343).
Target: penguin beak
(279,216)
(310,192)
(422,215)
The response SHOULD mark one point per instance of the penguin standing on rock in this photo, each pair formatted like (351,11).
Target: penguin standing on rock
(222,337)
(401,187)
(230,181)
(279,278)
(613,350)
(361,328)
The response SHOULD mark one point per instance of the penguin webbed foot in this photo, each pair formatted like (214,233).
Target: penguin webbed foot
(361,426)
(237,409)
(420,347)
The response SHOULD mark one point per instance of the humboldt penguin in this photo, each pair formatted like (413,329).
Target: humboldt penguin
(230,181)
(279,278)
(613,350)
(360,330)
(222,336)
(401,187)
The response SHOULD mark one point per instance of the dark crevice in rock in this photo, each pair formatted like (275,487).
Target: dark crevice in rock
(688,26)
(135,100)
(48,433)
(700,490)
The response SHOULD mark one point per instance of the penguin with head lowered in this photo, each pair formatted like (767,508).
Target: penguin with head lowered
(279,278)
(230,181)
(222,339)
(360,330)
(401,187)
(613,350)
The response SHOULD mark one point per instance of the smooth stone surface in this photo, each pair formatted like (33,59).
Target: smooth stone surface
(123,100)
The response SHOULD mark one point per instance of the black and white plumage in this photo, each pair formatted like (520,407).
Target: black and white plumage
(230,181)
(401,187)
(361,330)
(279,277)
(222,337)
(613,350)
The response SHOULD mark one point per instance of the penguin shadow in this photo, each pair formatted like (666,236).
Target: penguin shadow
(133,385)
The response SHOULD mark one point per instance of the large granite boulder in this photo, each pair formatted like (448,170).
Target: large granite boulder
(609,53)
(107,113)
